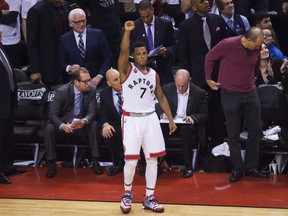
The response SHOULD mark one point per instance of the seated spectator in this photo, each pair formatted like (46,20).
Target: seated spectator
(84,47)
(266,72)
(236,24)
(188,105)
(72,114)
(110,120)
(263,20)
(271,43)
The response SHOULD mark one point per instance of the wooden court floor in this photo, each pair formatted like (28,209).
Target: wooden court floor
(31,207)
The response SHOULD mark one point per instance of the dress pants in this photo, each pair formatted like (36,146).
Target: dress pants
(187,134)
(6,144)
(247,105)
(54,135)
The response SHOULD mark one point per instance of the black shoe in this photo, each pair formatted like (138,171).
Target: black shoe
(14,171)
(257,173)
(236,176)
(97,168)
(52,171)
(115,171)
(188,172)
(4,179)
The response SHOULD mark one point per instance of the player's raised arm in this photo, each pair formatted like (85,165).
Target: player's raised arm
(123,61)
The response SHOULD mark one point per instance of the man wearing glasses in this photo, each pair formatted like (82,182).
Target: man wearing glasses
(72,114)
(84,47)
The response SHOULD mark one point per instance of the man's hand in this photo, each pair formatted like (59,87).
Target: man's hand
(284,66)
(73,68)
(162,50)
(129,25)
(172,127)
(213,85)
(67,128)
(96,80)
(107,130)
(188,119)
(78,124)
(36,78)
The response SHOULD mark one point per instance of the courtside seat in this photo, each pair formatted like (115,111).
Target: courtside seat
(21,75)
(174,145)
(29,118)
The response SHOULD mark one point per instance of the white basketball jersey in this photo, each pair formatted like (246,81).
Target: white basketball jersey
(138,91)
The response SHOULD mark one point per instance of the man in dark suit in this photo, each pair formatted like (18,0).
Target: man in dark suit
(162,34)
(72,113)
(110,119)
(188,104)
(46,22)
(8,97)
(97,55)
(192,50)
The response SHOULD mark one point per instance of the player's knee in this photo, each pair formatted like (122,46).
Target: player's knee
(130,165)
(152,162)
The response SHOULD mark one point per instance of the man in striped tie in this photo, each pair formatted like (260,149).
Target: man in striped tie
(84,47)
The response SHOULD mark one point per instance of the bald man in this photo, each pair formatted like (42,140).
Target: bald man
(188,103)
(110,119)
(239,58)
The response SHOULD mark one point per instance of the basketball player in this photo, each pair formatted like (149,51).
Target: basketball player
(140,124)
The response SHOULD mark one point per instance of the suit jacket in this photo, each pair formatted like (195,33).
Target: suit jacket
(9,100)
(163,35)
(197,106)
(43,40)
(97,54)
(192,46)
(108,111)
(62,106)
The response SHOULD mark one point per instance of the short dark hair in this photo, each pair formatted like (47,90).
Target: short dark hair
(220,5)
(145,4)
(259,17)
(136,45)
(76,74)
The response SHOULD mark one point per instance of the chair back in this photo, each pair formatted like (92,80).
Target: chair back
(32,100)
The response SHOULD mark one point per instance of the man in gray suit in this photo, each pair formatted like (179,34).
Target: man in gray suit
(72,113)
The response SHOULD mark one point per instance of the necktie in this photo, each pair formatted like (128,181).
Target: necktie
(150,37)
(206,33)
(60,20)
(78,105)
(119,103)
(8,70)
(81,46)
(230,24)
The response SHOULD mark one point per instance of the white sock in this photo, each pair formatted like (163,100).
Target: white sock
(151,175)
(129,172)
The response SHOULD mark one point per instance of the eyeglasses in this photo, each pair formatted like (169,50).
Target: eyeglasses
(79,22)
(269,35)
(85,81)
